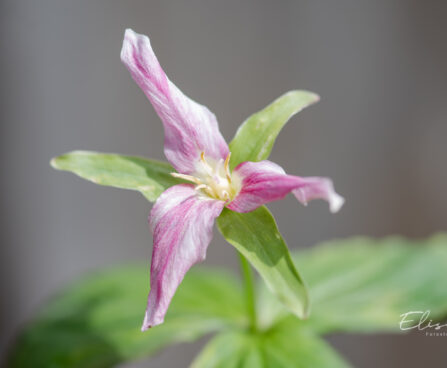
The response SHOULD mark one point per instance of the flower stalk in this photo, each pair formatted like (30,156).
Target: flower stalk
(249,287)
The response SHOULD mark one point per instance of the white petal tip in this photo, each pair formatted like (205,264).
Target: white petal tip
(129,35)
(131,42)
(336,203)
(148,323)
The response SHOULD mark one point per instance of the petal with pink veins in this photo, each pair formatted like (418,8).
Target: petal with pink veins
(190,128)
(265,181)
(182,223)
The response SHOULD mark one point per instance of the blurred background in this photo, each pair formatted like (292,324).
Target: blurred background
(380,131)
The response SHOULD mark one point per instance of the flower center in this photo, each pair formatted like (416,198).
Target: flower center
(214,179)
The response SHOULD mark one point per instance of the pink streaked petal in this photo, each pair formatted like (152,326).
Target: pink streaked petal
(263,182)
(182,224)
(190,128)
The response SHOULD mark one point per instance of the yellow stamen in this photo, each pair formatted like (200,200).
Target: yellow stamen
(207,166)
(227,168)
(187,178)
(207,189)
(213,180)
(201,186)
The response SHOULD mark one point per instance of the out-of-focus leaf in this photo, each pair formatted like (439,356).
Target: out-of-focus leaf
(285,345)
(227,350)
(255,137)
(96,322)
(364,285)
(257,237)
(150,177)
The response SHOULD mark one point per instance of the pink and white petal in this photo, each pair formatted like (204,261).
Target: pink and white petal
(319,188)
(263,182)
(182,224)
(190,128)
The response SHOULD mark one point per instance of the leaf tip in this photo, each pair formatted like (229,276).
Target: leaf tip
(316,97)
(306,309)
(312,97)
(54,163)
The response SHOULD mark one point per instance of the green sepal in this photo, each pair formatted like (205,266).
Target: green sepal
(257,237)
(256,136)
(149,177)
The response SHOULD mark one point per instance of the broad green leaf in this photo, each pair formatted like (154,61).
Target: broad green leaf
(285,345)
(96,322)
(257,237)
(150,177)
(365,285)
(255,137)
(228,350)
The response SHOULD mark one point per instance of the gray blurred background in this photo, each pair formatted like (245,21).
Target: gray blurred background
(379,131)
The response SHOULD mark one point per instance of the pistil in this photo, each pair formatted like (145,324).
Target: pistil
(213,180)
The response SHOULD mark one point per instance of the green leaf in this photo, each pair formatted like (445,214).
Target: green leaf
(96,322)
(150,177)
(257,237)
(286,345)
(226,350)
(255,137)
(365,285)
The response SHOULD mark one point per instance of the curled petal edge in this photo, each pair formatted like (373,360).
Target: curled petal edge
(264,181)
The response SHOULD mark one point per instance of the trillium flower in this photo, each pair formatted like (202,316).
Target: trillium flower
(183,216)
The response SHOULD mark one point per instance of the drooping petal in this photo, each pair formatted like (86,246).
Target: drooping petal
(190,128)
(182,224)
(265,181)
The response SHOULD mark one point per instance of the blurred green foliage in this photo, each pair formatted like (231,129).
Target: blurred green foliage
(356,285)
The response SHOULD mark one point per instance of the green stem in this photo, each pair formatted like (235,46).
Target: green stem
(249,291)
